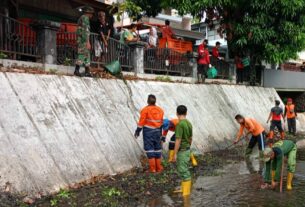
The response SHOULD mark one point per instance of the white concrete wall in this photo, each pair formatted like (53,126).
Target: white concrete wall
(57,130)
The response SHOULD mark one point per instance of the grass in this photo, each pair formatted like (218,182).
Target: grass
(3,55)
(164,79)
(52,71)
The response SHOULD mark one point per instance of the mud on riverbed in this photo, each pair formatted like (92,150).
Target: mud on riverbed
(134,187)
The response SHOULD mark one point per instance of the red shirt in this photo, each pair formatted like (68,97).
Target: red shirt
(215,52)
(239,63)
(277,113)
(204,55)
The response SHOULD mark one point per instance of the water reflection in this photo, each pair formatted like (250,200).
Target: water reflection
(236,187)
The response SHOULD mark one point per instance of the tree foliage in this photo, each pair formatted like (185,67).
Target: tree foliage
(270,30)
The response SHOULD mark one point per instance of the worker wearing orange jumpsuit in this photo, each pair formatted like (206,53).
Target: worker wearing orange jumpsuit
(151,120)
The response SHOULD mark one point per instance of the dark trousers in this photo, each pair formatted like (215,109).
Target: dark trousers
(292,125)
(202,72)
(152,142)
(260,139)
(239,75)
(277,124)
(171,145)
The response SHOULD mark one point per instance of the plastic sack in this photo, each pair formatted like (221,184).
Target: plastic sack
(114,67)
(212,72)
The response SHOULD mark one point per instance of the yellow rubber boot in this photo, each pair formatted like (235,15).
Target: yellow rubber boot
(186,188)
(289,180)
(194,161)
(273,175)
(171,154)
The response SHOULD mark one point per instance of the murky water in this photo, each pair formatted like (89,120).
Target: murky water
(237,187)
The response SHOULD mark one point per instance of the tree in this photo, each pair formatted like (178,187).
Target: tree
(265,30)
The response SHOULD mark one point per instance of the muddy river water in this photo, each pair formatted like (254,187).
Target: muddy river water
(236,187)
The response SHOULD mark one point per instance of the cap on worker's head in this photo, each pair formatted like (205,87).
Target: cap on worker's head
(86,9)
(289,100)
(166,124)
(267,154)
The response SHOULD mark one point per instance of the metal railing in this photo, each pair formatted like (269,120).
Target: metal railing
(223,67)
(66,44)
(167,62)
(17,39)
(100,54)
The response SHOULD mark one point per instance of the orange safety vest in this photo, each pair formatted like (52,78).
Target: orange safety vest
(252,126)
(151,117)
(290,113)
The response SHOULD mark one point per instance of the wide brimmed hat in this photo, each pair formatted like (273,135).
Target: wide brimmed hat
(267,154)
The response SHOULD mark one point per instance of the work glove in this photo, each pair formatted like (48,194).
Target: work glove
(163,139)
(137,132)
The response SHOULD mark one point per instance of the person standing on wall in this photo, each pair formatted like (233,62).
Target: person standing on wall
(239,70)
(291,116)
(83,41)
(104,31)
(203,61)
(276,116)
(215,51)
(151,120)
(182,152)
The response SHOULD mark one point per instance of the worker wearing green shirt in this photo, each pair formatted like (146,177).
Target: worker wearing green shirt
(131,35)
(274,159)
(182,153)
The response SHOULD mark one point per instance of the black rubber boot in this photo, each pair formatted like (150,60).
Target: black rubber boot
(87,72)
(76,71)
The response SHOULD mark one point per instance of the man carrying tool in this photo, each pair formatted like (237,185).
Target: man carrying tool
(274,158)
(291,116)
(182,152)
(276,114)
(170,125)
(151,120)
(254,128)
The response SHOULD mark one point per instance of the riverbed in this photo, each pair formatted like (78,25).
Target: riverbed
(236,187)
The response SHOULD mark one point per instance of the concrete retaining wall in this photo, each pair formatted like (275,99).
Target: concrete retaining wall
(57,130)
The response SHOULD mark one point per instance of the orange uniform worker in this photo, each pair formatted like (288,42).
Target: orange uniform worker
(151,121)
(170,125)
(276,115)
(291,116)
(254,128)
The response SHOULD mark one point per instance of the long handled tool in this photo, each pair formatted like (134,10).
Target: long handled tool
(235,143)
(282,174)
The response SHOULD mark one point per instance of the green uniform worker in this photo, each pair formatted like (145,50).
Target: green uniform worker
(83,41)
(182,152)
(274,159)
